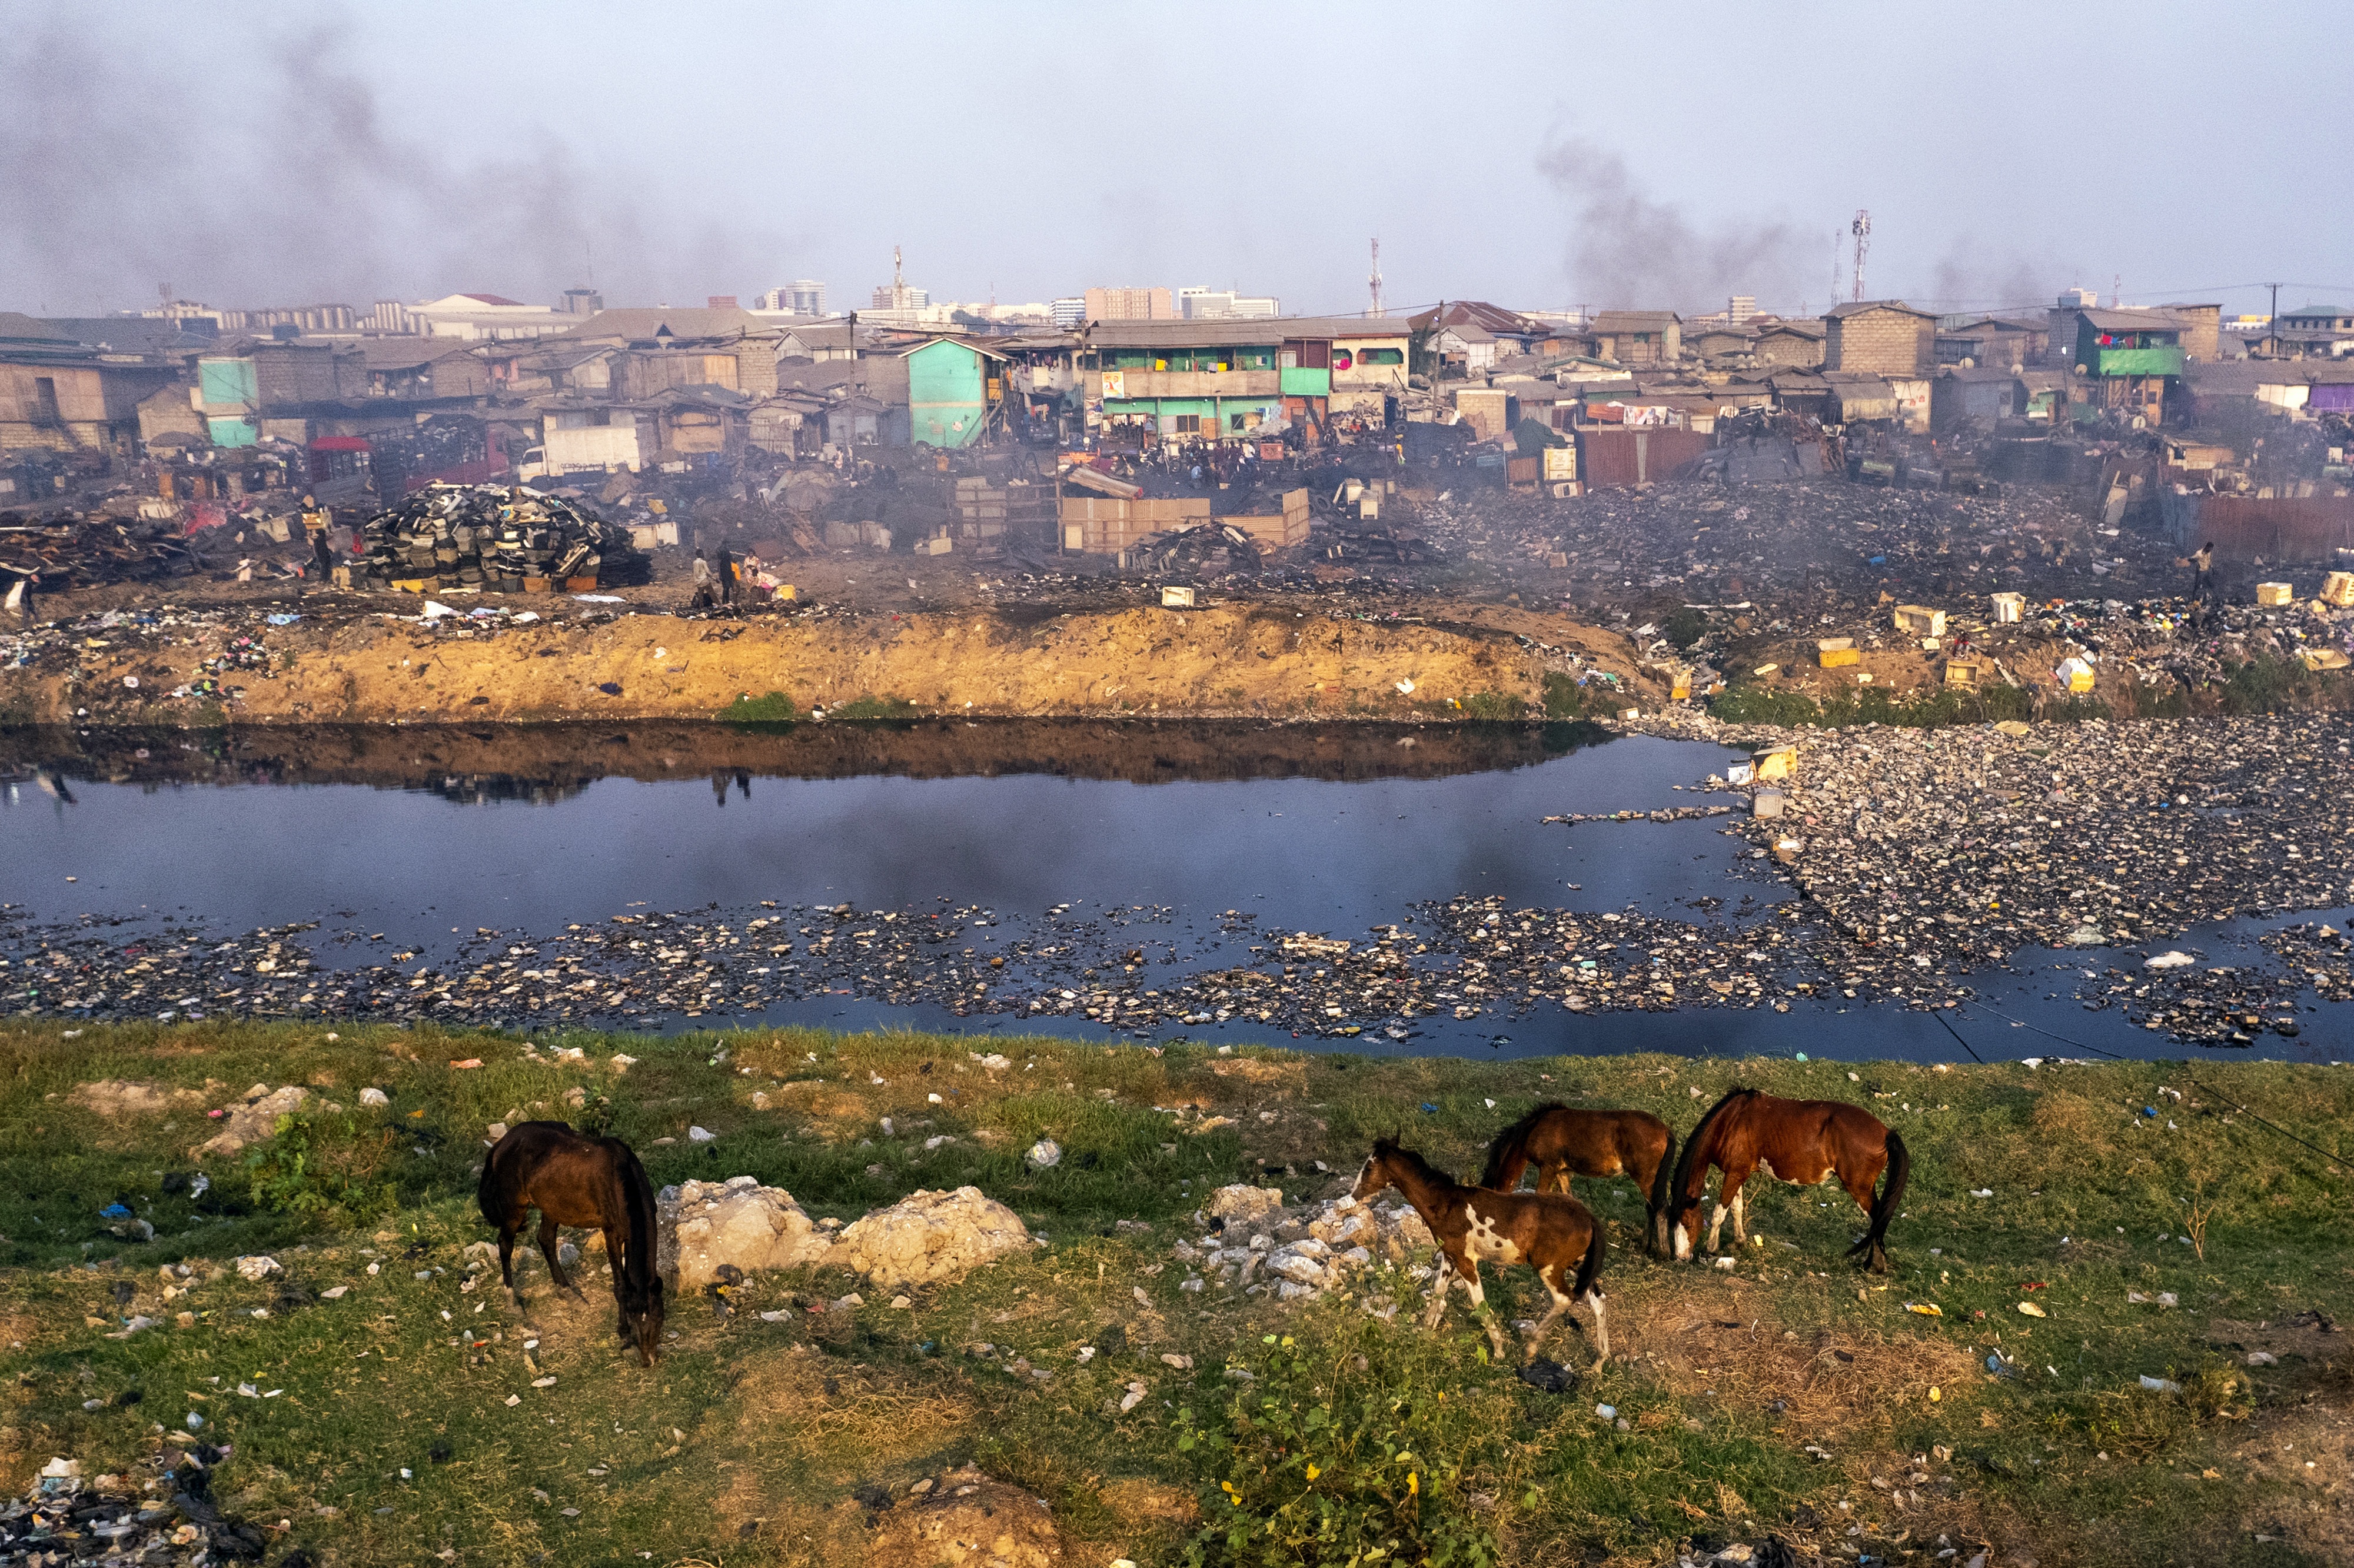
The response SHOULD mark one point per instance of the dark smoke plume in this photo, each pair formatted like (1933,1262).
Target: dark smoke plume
(285,179)
(1630,250)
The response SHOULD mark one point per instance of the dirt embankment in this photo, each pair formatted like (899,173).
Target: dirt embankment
(1233,661)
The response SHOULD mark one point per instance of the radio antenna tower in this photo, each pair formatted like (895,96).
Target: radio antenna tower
(1862,229)
(1376,281)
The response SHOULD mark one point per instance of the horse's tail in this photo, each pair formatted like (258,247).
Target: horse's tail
(1590,1271)
(637,1260)
(1663,1186)
(489,1195)
(1509,1155)
(1891,1193)
(1699,1148)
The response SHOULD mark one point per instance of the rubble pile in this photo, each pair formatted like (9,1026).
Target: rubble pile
(1250,1239)
(1798,548)
(505,539)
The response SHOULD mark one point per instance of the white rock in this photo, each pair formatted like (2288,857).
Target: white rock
(256,1120)
(1132,1398)
(929,1237)
(1247,1203)
(738,1222)
(257,1267)
(700,1135)
(1045,1154)
(372,1095)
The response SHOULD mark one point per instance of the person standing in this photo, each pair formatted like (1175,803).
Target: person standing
(2202,573)
(702,599)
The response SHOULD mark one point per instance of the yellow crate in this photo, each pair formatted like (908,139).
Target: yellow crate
(1839,658)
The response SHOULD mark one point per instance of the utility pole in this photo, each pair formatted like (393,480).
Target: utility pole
(1376,281)
(1862,229)
(2272,319)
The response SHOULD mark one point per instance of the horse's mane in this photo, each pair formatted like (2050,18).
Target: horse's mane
(1413,1161)
(1509,1142)
(1701,1146)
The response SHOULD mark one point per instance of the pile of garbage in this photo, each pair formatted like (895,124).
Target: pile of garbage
(173,1518)
(500,538)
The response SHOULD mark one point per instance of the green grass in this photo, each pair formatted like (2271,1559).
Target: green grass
(876,708)
(772,708)
(1723,1379)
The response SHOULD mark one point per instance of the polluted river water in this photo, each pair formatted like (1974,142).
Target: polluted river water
(1134,882)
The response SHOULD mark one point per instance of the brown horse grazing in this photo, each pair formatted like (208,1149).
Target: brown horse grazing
(1549,1231)
(590,1183)
(1562,1142)
(1802,1142)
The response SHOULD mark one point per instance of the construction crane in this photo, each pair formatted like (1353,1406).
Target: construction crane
(1862,229)
(1376,281)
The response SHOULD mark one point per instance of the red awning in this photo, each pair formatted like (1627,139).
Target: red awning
(339,444)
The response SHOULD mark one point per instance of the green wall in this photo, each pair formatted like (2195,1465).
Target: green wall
(945,394)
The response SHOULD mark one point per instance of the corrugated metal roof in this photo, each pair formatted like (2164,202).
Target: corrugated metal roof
(1634,321)
(2133,321)
(1858,307)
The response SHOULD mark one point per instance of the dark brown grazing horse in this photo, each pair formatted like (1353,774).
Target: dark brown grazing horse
(589,1184)
(1562,1142)
(1549,1231)
(1802,1142)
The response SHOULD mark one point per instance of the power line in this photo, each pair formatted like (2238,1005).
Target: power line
(2204,1088)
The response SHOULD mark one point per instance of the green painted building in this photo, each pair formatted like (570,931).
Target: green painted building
(954,388)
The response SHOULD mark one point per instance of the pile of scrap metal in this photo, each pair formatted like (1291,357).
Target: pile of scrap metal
(502,538)
(68,549)
(1205,549)
(1353,539)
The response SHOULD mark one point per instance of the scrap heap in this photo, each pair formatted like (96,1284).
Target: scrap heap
(505,539)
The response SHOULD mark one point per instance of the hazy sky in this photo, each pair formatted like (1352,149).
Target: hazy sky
(1540,156)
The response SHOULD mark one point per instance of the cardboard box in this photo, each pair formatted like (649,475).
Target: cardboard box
(2337,589)
(2008,608)
(1176,598)
(934,546)
(1962,673)
(580,585)
(1919,621)
(2275,593)
(1560,463)
(537,585)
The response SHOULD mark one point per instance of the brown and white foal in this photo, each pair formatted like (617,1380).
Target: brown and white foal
(1552,1233)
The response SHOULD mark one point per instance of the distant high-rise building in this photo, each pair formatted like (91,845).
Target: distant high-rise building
(1129,305)
(581,301)
(1741,308)
(1200,303)
(802,297)
(901,297)
(1069,312)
